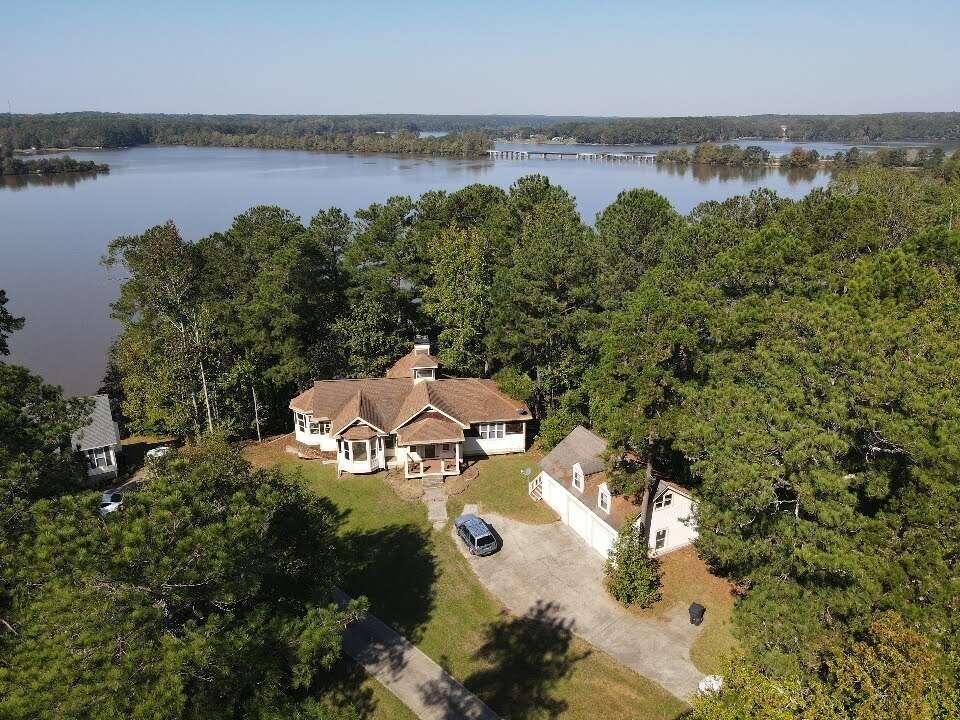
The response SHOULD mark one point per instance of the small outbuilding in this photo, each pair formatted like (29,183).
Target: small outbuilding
(99,440)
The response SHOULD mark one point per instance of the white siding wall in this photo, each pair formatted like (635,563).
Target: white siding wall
(324,442)
(671,519)
(572,509)
(496,446)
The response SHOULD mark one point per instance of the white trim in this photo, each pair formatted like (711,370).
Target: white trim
(603,492)
(430,406)
(365,422)
(578,475)
(663,501)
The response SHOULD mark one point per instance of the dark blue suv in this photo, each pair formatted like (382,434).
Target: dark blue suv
(477,535)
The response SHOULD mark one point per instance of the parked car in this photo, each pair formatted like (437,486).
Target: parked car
(158,452)
(110,501)
(477,535)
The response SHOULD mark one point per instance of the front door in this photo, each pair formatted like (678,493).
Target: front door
(429,451)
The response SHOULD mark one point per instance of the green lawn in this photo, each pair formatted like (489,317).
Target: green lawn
(418,582)
(501,487)
(687,579)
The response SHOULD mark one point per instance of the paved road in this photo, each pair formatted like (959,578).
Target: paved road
(551,564)
(419,683)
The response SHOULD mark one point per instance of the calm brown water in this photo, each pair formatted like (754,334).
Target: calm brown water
(53,231)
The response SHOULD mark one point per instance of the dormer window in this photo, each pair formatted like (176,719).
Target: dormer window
(603,498)
(424,374)
(578,477)
(663,501)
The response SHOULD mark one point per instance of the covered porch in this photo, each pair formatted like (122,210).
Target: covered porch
(419,462)
(432,446)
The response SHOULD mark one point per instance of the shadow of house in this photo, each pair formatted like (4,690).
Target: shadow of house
(526,658)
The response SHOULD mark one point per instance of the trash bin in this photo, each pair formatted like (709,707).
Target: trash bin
(696,613)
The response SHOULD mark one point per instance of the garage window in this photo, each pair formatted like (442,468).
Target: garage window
(663,501)
(603,500)
(660,540)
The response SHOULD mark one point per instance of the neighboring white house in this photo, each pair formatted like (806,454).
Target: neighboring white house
(573,481)
(412,418)
(99,440)
(670,517)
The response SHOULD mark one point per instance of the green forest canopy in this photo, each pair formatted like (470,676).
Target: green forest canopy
(95,129)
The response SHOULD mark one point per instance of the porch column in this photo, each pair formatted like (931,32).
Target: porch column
(456,449)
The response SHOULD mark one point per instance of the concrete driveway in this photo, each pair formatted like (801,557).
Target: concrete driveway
(549,563)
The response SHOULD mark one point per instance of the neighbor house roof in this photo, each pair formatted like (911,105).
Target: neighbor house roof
(390,404)
(587,448)
(580,446)
(100,431)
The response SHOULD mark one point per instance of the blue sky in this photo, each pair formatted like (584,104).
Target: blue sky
(674,57)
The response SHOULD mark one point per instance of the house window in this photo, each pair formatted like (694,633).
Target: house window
(359,451)
(578,478)
(515,428)
(99,458)
(420,374)
(663,501)
(445,447)
(491,431)
(660,539)
(301,422)
(389,441)
(346,451)
(603,500)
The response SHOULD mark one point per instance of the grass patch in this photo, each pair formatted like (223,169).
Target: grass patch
(687,579)
(419,582)
(500,487)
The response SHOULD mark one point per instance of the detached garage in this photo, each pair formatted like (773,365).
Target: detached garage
(573,481)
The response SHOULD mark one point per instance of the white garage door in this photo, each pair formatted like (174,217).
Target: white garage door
(579,520)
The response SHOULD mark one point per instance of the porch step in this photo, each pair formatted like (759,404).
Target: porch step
(536,495)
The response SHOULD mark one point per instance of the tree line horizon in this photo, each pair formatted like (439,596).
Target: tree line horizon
(469,134)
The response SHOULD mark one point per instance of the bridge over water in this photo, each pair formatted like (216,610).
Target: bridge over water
(572,155)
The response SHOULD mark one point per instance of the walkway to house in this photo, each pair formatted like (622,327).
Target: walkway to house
(435,499)
(417,681)
(550,563)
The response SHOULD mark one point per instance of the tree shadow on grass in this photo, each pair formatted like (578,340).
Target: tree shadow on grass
(527,658)
(394,567)
(343,688)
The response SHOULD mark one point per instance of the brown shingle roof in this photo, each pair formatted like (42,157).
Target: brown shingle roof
(387,403)
(587,448)
(429,427)
(403,368)
(359,431)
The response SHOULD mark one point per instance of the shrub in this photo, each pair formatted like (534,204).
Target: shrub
(632,575)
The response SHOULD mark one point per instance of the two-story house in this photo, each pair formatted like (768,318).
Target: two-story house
(573,482)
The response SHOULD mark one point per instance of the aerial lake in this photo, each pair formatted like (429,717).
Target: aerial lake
(54,230)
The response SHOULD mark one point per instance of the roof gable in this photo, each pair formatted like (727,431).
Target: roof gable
(100,431)
(403,368)
(579,446)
